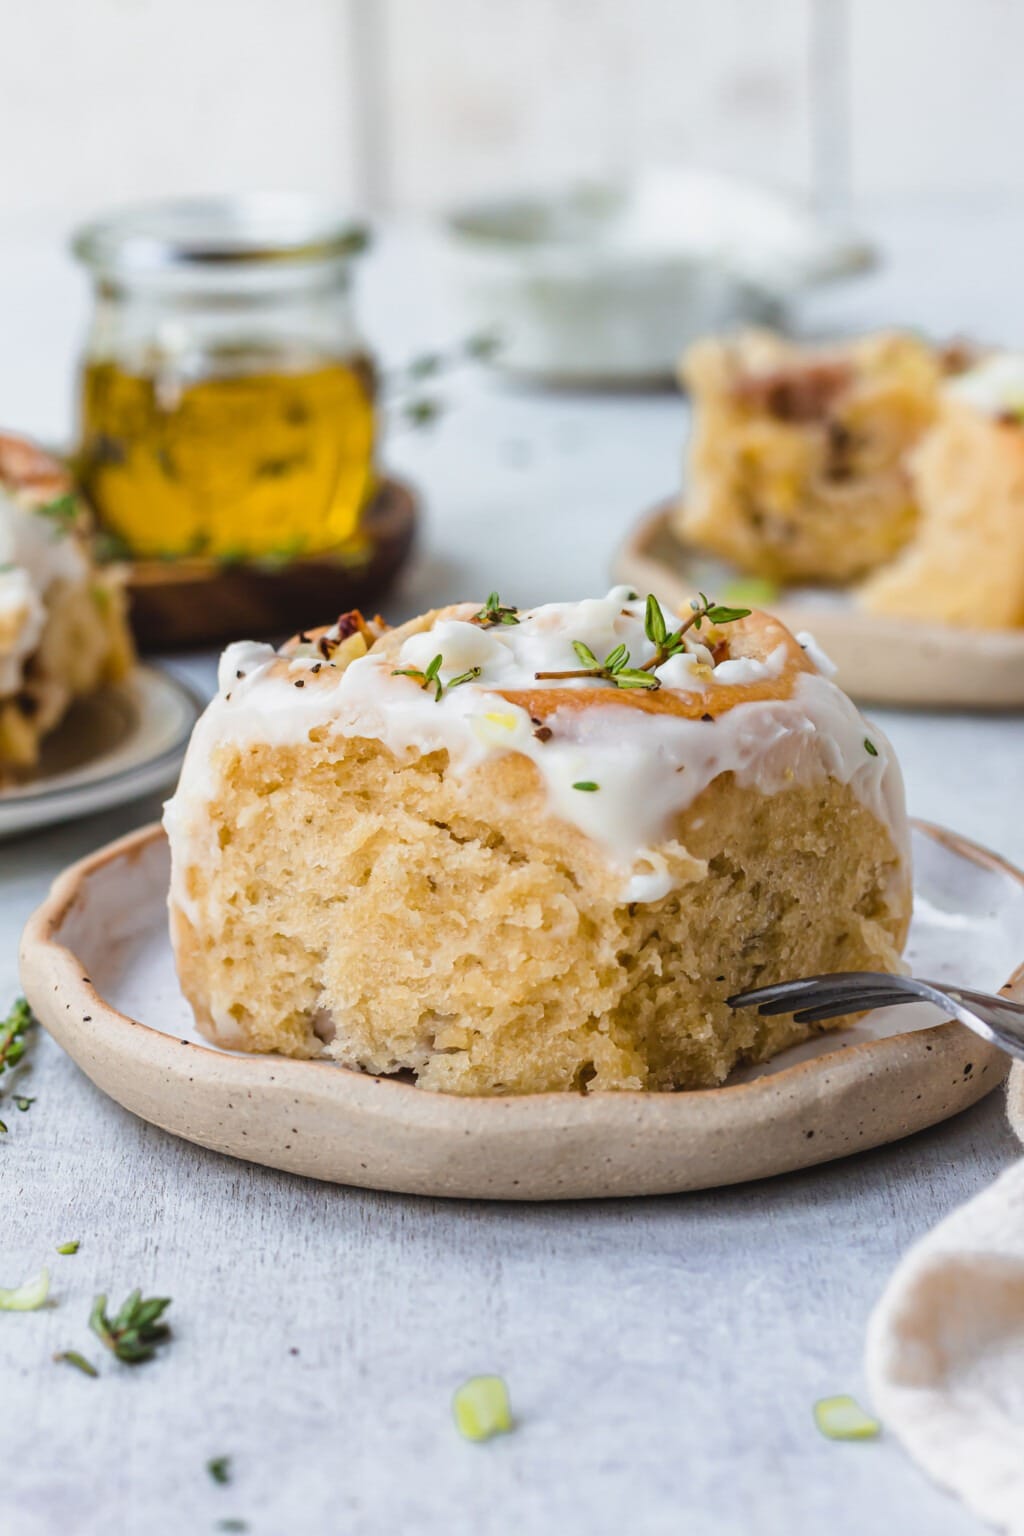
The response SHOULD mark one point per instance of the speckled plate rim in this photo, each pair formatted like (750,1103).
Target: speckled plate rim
(322,1121)
(939,665)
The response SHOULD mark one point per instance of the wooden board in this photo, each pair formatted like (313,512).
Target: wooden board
(97,969)
(879,660)
(179,604)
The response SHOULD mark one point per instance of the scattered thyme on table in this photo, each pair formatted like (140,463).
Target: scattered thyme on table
(616,668)
(13,1030)
(422,410)
(134,1333)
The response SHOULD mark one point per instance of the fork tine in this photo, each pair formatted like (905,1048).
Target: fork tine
(832,1004)
(852,1003)
(817,991)
(753,995)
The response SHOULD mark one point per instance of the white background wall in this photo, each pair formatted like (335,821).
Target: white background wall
(411,103)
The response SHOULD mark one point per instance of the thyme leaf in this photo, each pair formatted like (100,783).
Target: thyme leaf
(72,1357)
(870,747)
(219,1468)
(635,677)
(464,677)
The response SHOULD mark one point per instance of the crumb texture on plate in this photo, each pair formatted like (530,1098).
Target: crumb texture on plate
(63,631)
(797,459)
(509,883)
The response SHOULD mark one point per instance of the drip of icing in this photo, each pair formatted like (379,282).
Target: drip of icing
(995,386)
(647,766)
(34,554)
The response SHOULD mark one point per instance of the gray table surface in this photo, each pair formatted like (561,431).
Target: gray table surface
(662,1355)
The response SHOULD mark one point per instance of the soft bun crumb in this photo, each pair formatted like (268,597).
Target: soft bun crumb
(396,916)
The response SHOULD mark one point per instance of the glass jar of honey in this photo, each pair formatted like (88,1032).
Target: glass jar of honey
(226,406)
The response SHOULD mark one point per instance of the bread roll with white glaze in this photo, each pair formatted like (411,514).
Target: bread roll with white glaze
(505,882)
(63,631)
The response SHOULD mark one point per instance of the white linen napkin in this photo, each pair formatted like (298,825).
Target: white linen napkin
(945,1350)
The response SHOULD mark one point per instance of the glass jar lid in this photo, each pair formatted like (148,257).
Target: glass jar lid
(254,230)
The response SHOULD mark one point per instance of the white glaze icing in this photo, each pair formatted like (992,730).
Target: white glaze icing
(648,767)
(995,386)
(815,655)
(34,554)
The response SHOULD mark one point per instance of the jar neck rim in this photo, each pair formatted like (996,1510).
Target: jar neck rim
(217,239)
(226,287)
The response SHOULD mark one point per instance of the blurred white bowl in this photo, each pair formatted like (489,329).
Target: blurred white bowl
(606,283)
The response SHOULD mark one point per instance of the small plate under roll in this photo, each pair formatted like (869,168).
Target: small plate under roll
(97,968)
(880,660)
(114,746)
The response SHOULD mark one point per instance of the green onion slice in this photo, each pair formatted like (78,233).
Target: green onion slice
(842,1418)
(481,1408)
(28,1297)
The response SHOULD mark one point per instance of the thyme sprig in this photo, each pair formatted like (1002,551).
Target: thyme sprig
(614,669)
(671,642)
(429,677)
(12,1034)
(135,1331)
(13,1030)
(495,612)
(405,386)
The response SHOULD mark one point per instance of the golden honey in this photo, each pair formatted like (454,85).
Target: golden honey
(260,456)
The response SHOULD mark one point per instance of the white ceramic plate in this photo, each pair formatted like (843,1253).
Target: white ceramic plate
(97,969)
(938,665)
(113,747)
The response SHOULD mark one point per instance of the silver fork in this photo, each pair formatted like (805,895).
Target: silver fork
(815,998)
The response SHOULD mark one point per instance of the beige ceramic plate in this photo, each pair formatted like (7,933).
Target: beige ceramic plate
(880,661)
(112,747)
(96,967)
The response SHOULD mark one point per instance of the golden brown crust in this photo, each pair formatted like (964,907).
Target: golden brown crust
(33,474)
